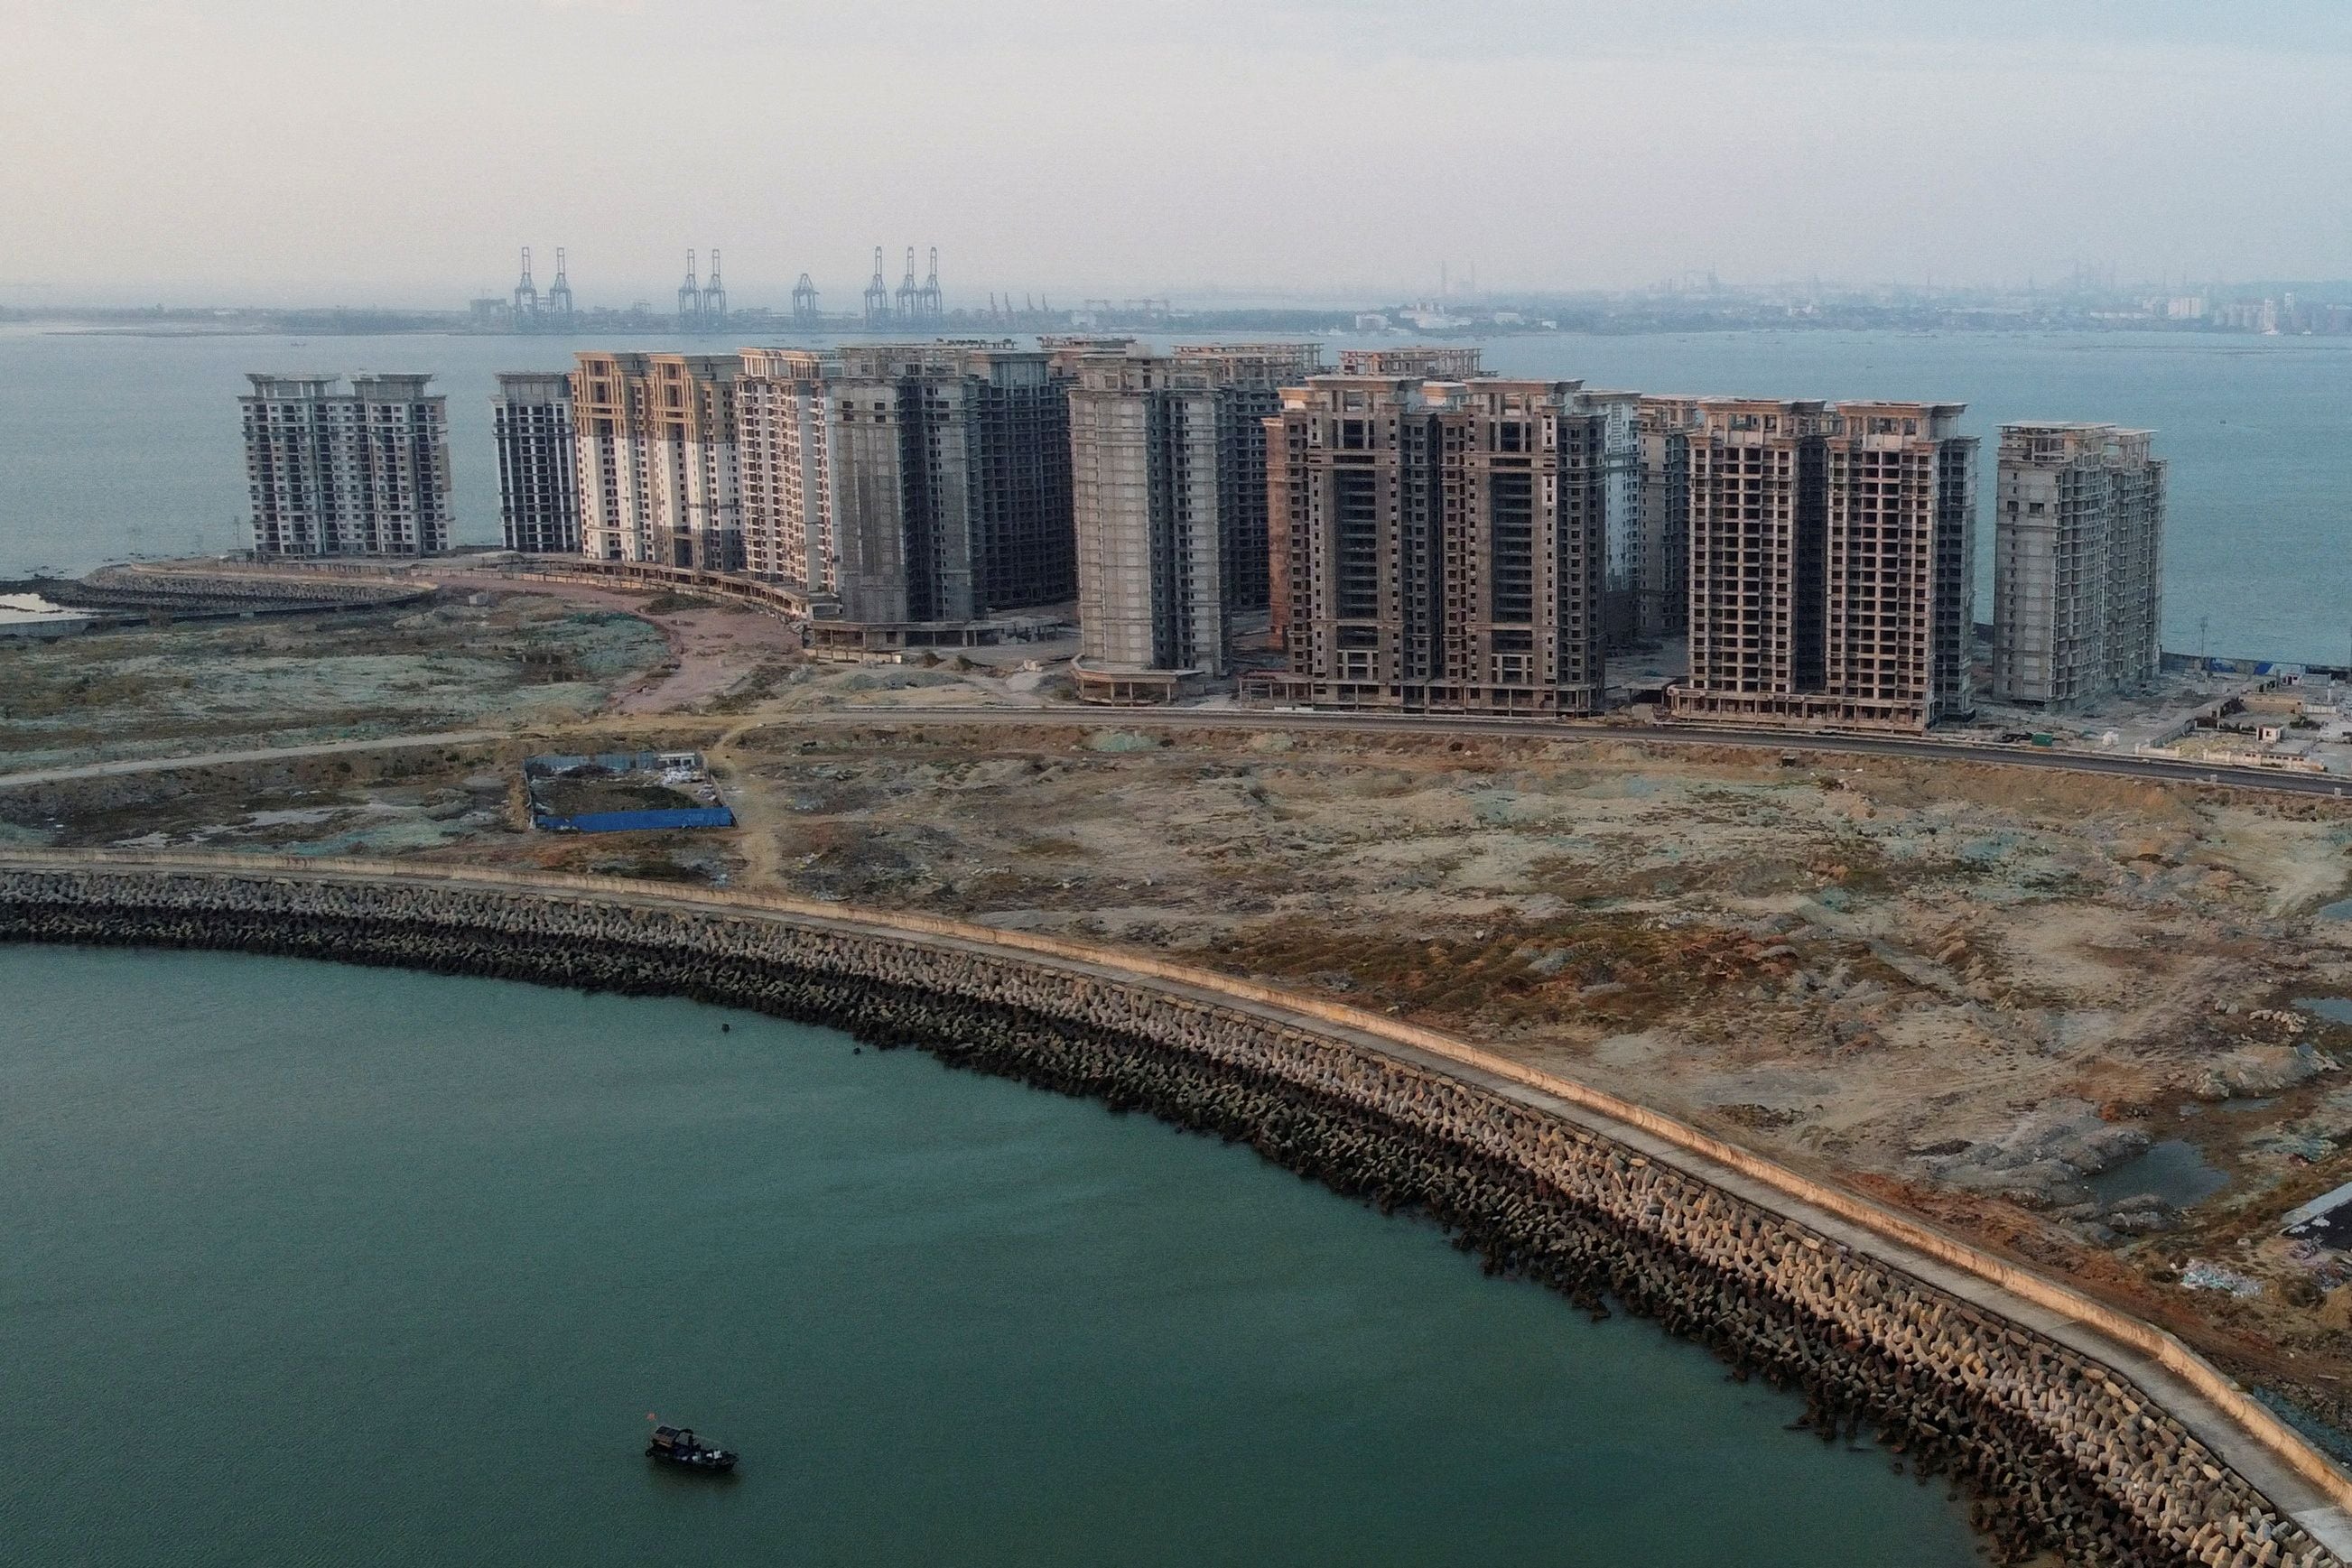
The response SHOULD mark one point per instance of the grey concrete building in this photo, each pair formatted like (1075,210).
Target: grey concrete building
(1439,539)
(1169,502)
(655,434)
(538,486)
(2078,568)
(947,481)
(1829,571)
(1622,583)
(1659,550)
(330,472)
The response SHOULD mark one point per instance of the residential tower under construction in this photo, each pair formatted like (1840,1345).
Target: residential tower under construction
(2078,582)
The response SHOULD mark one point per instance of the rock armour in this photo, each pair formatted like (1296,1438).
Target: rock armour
(2058,1452)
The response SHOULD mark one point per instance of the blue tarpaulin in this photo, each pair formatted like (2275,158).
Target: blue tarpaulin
(636,821)
(657,774)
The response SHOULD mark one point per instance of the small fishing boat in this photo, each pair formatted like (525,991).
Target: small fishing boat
(678,1446)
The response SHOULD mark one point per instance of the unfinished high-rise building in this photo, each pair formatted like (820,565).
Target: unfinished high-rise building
(539,460)
(923,482)
(1830,564)
(2078,534)
(781,445)
(329,472)
(657,470)
(1440,540)
(1622,584)
(1169,500)
(1659,547)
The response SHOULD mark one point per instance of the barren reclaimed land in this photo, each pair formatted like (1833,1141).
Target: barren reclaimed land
(1982,993)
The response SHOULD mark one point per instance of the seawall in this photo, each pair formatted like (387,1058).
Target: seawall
(2072,1437)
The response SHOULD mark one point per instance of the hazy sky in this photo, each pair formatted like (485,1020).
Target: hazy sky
(365,151)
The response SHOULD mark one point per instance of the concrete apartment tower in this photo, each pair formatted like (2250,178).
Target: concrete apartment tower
(1829,563)
(1660,546)
(1441,538)
(329,472)
(950,482)
(782,445)
(1167,462)
(2078,563)
(538,486)
(657,465)
(1621,580)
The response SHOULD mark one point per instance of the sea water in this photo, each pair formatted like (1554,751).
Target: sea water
(115,445)
(303,1263)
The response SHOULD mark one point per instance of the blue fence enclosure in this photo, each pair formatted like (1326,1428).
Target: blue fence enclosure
(679,773)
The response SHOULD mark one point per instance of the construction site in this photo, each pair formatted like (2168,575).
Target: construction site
(2094,1022)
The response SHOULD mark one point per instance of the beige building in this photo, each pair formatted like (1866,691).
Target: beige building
(1169,500)
(1829,575)
(1439,539)
(329,472)
(658,464)
(780,445)
(2078,565)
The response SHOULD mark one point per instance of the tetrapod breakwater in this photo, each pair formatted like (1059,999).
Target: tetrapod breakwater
(2059,1449)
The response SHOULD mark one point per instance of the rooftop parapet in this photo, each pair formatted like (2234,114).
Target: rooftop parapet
(1433,364)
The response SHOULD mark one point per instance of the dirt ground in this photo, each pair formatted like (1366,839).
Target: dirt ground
(711,648)
(507,662)
(2082,1018)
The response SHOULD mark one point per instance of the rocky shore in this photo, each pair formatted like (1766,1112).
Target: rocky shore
(2057,1452)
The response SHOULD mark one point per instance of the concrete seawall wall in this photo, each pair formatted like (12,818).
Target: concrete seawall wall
(2063,1451)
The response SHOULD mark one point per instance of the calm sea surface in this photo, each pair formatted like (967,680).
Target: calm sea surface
(112,446)
(303,1264)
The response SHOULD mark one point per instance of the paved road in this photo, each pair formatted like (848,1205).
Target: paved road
(1929,750)
(264,754)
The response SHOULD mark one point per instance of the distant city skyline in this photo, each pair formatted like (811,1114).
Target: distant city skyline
(256,151)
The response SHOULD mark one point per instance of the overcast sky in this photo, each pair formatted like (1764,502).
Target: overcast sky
(399,151)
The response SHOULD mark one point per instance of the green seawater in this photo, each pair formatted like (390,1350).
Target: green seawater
(118,445)
(302,1263)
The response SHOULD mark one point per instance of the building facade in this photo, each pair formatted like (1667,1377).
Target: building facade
(1169,504)
(1442,538)
(781,445)
(657,473)
(539,459)
(940,490)
(1622,583)
(330,472)
(2078,566)
(1659,547)
(1830,566)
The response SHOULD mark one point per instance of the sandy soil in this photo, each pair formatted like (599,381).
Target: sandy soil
(712,647)
(508,662)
